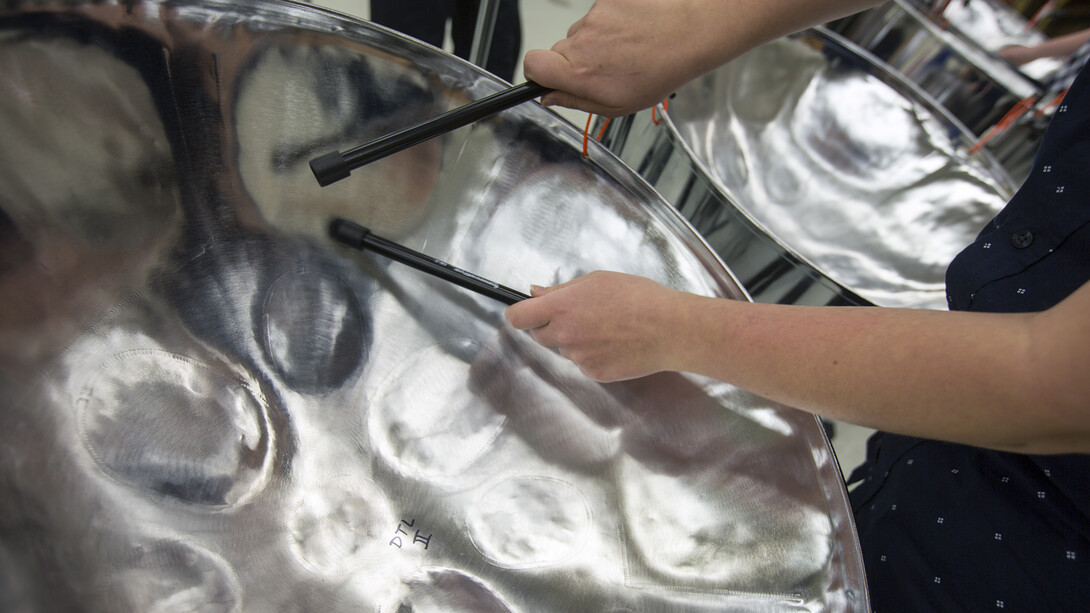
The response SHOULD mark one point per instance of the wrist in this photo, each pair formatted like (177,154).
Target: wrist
(694,331)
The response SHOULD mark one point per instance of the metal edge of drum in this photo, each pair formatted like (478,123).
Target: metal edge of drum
(891,76)
(873,29)
(602,156)
(967,49)
(768,269)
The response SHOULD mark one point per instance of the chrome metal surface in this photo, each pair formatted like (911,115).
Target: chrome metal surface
(974,84)
(992,25)
(961,70)
(208,405)
(482,35)
(819,175)
(974,32)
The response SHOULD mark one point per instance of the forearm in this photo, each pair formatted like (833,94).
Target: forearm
(1059,47)
(732,28)
(1062,46)
(974,378)
(1018,382)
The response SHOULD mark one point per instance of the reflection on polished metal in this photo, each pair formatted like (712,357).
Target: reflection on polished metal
(994,24)
(209,405)
(818,175)
(336,166)
(975,85)
(962,71)
(484,31)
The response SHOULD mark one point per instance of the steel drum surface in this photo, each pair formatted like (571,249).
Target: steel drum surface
(209,406)
(991,25)
(953,55)
(819,175)
(973,83)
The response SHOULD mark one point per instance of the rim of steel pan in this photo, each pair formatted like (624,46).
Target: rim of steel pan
(889,77)
(564,130)
(973,52)
(431,57)
(1013,29)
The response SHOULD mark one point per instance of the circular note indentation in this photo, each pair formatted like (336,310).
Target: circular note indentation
(313,331)
(177,427)
(739,534)
(451,591)
(426,418)
(172,576)
(336,520)
(527,522)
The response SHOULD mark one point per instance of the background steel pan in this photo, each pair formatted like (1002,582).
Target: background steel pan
(208,406)
(954,56)
(994,24)
(819,175)
(974,84)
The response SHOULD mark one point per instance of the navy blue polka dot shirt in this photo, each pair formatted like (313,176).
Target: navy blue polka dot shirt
(947,527)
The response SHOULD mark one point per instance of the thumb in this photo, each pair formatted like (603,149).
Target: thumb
(549,68)
(537,291)
(553,70)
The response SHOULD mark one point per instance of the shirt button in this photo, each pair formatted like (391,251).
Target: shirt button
(1022,239)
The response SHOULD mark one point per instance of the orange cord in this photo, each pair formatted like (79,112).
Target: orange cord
(1004,123)
(586,131)
(602,132)
(1042,13)
(605,124)
(1058,99)
(665,107)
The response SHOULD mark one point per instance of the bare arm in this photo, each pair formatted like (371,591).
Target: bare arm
(626,55)
(1018,382)
(1061,46)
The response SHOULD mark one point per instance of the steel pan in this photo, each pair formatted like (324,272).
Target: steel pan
(207,405)
(954,56)
(975,85)
(992,25)
(819,175)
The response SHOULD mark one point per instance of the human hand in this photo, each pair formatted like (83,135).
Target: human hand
(626,55)
(614,326)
